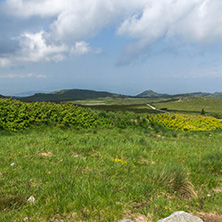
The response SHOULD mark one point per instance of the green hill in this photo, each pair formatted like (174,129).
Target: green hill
(2,97)
(69,95)
(211,105)
(151,94)
(81,94)
(195,94)
(217,94)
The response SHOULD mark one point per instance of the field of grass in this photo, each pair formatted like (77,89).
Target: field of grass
(136,105)
(192,105)
(88,165)
(108,174)
(188,105)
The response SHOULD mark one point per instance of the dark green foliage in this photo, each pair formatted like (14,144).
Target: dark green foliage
(16,115)
(202,112)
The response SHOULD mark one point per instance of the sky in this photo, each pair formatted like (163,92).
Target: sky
(121,46)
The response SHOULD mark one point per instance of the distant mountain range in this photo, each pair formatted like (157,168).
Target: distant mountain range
(81,94)
(69,95)
(152,94)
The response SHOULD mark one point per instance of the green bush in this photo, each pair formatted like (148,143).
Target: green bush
(16,115)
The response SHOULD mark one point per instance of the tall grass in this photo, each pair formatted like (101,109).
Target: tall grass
(107,174)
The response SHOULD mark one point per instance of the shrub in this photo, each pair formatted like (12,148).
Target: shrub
(186,122)
(16,115)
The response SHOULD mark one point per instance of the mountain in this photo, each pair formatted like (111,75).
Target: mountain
(81,94)
(69,95)
(217,94)
(151,94)
(195,94)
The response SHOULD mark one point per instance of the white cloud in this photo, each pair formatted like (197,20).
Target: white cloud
(146,21)
(27,8)
(35,48)
(23,76)
(202,24)
(82,47)
(4,62)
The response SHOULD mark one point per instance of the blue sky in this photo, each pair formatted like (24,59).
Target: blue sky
(127,46)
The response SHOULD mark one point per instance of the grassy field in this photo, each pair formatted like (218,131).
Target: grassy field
(136,105)
(188,105)
(193,105)
(88,165)
(108,174)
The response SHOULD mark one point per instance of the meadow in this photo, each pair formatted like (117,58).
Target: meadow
(90,165)
(186,105)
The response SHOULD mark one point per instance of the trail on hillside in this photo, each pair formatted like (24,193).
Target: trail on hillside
(154,108)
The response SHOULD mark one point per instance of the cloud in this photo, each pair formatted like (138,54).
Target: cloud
(35,48)
(4,62)
(82,47)
(23,76)
(74,22)
(27,8)
(192,21)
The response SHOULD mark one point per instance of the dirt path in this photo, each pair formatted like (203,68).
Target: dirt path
(152,107)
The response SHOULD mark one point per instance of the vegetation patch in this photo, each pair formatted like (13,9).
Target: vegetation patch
(16,116)
(186,122)
(104,176)
(88,165)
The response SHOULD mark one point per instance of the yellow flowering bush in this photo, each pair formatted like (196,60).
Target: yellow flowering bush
(186,122)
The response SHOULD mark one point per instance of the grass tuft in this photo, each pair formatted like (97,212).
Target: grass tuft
(175,179)
(10,202)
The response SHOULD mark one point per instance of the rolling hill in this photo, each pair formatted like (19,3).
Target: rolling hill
(192,105)
(69,95)
(152,94)
(81,94)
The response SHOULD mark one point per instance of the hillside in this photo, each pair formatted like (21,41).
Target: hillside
(2,97)
(152,94)
(81,94)
(69,95)
(217,94)
(211,105)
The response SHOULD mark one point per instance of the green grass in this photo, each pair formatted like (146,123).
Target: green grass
(136,105)
(189,105)
(108,174)
(193,105)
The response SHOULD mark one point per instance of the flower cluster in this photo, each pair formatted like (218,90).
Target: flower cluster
(186,122)
(119,160)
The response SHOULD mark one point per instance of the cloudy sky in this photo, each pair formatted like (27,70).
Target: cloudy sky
(123,46)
